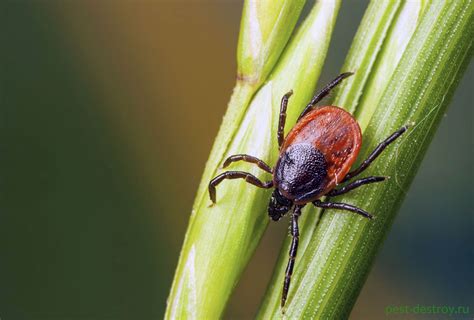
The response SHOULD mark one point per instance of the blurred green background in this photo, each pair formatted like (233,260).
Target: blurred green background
(108,112)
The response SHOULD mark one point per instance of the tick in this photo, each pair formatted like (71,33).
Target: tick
(315,157)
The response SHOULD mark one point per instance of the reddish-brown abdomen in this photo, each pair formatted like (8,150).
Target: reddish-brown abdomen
(335,133)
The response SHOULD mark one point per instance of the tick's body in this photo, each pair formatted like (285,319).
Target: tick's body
(317,154)
(315,157)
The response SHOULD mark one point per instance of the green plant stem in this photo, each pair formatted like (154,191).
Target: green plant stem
(338,250)
(221,239)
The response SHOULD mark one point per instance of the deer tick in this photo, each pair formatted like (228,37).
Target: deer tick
(315,157)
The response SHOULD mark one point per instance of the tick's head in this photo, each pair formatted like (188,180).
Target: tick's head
(278,206)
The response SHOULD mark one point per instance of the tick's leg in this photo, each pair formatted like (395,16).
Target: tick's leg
(324,92)
(342,206)
(377,151)
(293,249)
(247,158)
(354,184)
(236,175)
(282,119)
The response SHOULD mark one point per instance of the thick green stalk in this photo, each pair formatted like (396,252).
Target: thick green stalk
(410,83)
(365,47)
(221,239)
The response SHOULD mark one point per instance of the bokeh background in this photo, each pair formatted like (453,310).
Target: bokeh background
(108,112)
